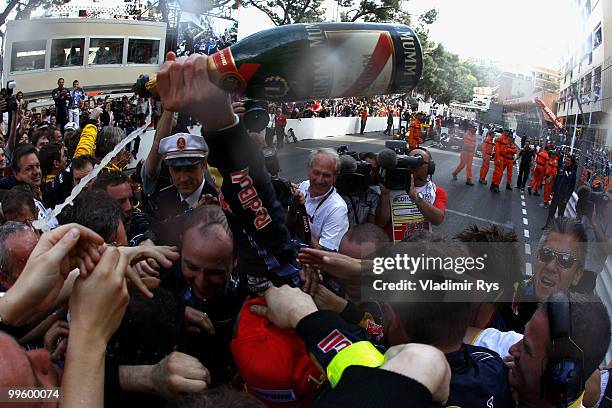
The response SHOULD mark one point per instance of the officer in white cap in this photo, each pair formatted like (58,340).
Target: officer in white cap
(185,155)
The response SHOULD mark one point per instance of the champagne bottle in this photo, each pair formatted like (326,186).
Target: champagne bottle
(318,61)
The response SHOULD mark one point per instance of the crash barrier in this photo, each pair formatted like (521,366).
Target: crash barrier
(310,128)
(603,287)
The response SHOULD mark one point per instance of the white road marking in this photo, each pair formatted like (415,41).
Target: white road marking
(528,270)
(505,225)
(525,221)
(528,249)
(526,233)
(524,211)
(523,204)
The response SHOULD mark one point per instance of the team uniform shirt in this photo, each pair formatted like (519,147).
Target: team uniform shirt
(406,218)
(327,215)
(496,340)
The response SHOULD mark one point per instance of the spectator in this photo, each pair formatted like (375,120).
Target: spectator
(364,119)
(98,211)
(57,182)
(40,138)
(18,205)
(81,167)
(17,240)
(326,210)
(60,97)
(76,97)
(280,122)
(565,182)
(26,169)
(54,134)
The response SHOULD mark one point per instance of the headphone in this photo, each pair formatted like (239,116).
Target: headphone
(431,165)
(563,379)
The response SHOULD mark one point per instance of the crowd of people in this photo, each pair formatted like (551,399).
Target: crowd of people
(204,279)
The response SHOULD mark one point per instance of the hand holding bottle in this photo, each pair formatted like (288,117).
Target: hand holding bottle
(183,85)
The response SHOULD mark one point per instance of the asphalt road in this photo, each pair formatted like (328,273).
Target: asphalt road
(466,205)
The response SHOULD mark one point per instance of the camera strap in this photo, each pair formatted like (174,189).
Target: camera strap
(311,217)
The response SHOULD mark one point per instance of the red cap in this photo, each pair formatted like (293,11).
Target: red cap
(273,362)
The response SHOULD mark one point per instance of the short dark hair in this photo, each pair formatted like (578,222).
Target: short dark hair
(96,210)
(71,141)
(14,199)
(60,79)
(80,162)
(51,131)
(39,134)
(498,245)
(106,179)
(366,233)
(219,397)
(568,226)
(47,155)
(20,151)
(440,324)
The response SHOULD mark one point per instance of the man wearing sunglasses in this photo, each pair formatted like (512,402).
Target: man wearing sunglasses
(559,266)
(561,256)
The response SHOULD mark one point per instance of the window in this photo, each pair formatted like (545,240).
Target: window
(597,36)
(67,52)
(105,51)
(143,51)
(28,55)
(597,84)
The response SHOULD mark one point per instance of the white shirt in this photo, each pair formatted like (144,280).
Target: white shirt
(498,341)
(328,222)
(193,199)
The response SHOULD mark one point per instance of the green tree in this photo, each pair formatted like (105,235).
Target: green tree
(283,12)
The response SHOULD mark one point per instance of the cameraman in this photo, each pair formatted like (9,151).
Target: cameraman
(422,200)
(354,185)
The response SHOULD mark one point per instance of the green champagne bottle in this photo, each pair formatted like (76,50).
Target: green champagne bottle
(319,61)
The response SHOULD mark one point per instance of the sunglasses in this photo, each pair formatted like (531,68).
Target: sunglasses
(564,260)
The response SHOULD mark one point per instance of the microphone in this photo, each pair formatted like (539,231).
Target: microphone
(348,165)
(387,159)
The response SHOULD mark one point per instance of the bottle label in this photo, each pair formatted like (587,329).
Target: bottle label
(227,75)
(361,62)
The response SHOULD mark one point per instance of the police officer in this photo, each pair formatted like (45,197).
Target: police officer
(185,155)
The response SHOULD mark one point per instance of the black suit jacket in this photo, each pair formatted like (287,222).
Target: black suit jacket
(169,213)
